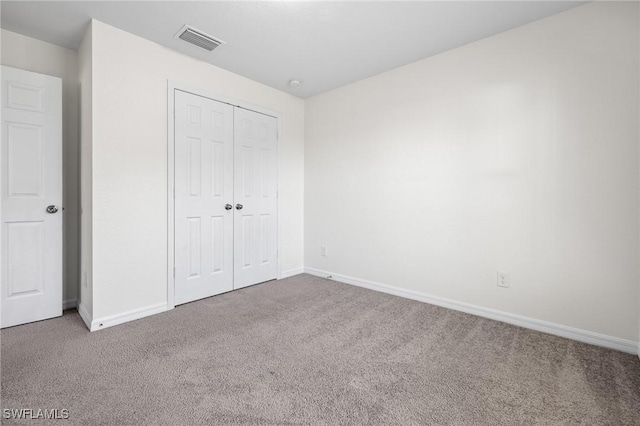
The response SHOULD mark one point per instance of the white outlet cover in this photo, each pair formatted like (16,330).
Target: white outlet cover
(503,280)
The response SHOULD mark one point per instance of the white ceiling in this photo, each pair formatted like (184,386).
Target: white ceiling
(325,44)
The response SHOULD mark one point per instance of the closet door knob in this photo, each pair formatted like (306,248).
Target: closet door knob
(239,206)
(228,206)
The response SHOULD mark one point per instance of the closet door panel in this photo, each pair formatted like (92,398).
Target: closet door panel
(255,177)
(203,186)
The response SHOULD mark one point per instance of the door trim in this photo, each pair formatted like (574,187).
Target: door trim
(172,86)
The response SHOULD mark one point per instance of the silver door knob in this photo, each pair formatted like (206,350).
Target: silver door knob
(228,206)
(239,206)
(52,209)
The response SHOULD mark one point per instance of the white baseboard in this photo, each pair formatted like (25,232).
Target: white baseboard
(580,335)
(291,273)
(69,304)
(134,314)
(85,316)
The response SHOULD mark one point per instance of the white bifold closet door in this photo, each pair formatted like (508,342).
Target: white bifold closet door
(225,197)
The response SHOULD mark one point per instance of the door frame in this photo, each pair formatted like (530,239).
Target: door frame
(172,86)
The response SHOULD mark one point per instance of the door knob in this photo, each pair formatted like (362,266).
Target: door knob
(52,209)
(228,206)
(239,206)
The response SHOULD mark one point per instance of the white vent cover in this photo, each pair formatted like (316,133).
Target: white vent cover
(198,38)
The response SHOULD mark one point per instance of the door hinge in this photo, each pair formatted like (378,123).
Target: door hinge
(174,272)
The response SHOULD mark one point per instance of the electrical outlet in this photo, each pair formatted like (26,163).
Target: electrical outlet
(503,279)
(323,251)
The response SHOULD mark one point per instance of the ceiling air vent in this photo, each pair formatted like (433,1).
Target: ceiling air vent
(198,38)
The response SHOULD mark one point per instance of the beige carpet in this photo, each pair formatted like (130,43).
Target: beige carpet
(311,351)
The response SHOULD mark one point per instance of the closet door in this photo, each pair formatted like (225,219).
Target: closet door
(203,197)
(255,194)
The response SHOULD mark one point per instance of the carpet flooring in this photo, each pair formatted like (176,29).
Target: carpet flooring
(309,351)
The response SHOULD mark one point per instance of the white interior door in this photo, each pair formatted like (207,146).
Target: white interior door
(31,197)
(203,197)
(255,194)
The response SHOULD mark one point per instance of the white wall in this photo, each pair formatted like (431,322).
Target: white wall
(26,53)
(85,71)
(129,161)
(516,153)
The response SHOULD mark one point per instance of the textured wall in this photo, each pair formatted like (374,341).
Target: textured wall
(516,153)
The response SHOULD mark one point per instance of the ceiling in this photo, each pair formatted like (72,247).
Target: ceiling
(324,44)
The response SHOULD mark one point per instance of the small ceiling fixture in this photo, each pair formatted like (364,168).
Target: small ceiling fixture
(198,38)
(295,83)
